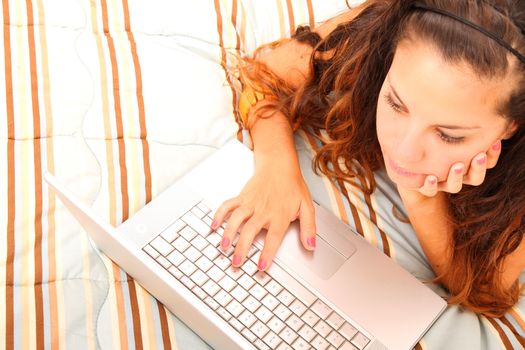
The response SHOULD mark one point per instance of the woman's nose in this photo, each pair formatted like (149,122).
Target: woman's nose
(409,149)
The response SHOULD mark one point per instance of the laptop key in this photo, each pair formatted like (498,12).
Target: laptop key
(163,262)
(284,346)
(235,323)
(348,346)
(175,272)
(235,308)
(195,223)
(188,233)
(251,303)
(273,287)
(348,331)
(272,340)
(321,309)
(319,343)
(198,212)
(199,292)
(223,313)
(282,312)
(270,301)
(307,333)
(249,335)
(192,254)
(294,323)
(300,344)
(285,297)
(263,314)
(335,339)
(181,244)
(204,263)
(176,257)
(276,325)
(211,303)
(310,318)
(211,287)
(259,344)
(223,298)
(204,208)
(163,247)
(298,308)
(335,320)
(247,318)
(259,329)
(288,335)
(151,251)
(187,267)
(360,341)
(322,328)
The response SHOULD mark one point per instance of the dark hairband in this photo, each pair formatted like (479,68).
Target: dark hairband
(482,30)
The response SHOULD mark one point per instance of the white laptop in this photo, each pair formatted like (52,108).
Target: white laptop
(345,295)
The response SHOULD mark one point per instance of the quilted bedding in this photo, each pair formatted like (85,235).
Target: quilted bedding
(119,98)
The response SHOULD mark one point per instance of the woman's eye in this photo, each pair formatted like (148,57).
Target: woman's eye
(390,101)
(450,139)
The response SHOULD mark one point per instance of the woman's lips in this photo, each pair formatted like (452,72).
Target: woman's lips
(399,170)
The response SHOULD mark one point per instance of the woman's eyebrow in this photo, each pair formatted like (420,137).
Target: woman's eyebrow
(450,127)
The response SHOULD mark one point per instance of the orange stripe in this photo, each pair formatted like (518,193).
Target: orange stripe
(291,20)
(140,102)
(373,218)
(353,209)
(311,15)
(223,64)
(121,313)
(52,292)
(10,231)
(120,307)
(418,346)
(122,163)
(502,335)
(518,318)
(166,341)
(509,325)
(118,114)
(39,307)
(135,313)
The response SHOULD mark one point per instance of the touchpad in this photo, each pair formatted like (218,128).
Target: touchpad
(324,261)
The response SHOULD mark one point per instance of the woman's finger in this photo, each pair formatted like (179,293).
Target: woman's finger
(272,241)
(493,154)
(454,181)
(430,186)
(224,210)
(477,171)
(237,218)
(248,232)
(307,225)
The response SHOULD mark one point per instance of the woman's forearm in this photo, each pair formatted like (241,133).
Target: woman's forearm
(273,142)
(429,217)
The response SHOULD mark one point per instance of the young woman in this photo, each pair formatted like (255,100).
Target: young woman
(431,90)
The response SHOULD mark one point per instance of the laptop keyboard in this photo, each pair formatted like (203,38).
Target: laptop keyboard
(268,314)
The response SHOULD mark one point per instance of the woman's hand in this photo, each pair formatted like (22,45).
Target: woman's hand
(457,177)
(274,197)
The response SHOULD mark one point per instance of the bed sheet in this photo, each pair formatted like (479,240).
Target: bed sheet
(119,99)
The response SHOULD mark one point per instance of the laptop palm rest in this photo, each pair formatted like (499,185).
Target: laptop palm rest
(324,261)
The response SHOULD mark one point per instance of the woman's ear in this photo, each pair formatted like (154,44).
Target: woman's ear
(511,130)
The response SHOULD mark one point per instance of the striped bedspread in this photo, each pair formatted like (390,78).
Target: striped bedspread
(119,98)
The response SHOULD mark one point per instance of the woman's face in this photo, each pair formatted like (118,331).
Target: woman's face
(432,114)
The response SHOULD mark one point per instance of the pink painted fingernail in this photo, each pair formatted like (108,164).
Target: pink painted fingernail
(225,242)
(459,169)
(311,242)
(496,146)
(236,260)
(432,181)
(481,160)
(214,224)
(262,264)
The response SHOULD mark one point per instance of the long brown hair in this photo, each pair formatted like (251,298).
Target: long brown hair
(338,103)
